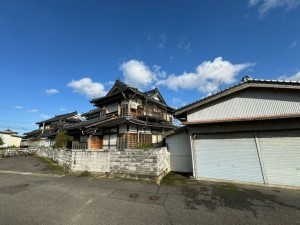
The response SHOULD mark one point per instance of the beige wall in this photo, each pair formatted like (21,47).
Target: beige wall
(10,140)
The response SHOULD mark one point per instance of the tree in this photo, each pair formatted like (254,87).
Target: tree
(62,139)
(1,141)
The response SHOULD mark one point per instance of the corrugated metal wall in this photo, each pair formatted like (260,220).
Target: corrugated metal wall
(272,157)
(280,156)
(248,104)
(228,156)
(180,152)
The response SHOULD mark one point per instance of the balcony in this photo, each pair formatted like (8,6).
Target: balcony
(152,115)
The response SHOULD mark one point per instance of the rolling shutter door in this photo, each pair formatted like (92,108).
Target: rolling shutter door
(228,156)
(280,155)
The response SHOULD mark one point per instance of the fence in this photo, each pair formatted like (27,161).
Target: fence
(135,163)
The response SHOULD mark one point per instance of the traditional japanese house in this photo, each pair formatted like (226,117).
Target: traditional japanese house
(124,118)
(45,134)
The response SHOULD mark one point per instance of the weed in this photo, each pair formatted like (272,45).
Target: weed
(85,174)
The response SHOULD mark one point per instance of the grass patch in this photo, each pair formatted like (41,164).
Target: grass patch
(176,178)
(53,166)
(85,174)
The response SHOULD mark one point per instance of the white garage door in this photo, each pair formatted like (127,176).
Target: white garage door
(228,156)
(280,154)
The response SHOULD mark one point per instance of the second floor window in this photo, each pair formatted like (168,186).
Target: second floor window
(112,108)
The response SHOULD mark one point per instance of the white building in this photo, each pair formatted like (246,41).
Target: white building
(10,138)
(249,132)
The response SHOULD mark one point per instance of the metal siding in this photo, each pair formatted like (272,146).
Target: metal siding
(227,156)
(249,103)
(280,155)
(180,152)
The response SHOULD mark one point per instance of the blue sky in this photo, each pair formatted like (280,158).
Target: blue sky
(56,55)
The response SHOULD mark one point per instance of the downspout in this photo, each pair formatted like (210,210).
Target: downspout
(192,138)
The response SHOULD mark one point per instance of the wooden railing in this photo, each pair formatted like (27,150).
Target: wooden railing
(79,145)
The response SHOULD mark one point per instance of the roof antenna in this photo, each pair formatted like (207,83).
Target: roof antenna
(219,84)
(246,78)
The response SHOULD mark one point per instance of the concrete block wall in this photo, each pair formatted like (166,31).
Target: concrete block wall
(140,163)
(93,161)
(134,163)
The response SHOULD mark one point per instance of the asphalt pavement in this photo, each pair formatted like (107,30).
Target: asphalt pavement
(31,193)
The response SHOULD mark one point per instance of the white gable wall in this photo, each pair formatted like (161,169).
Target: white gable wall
(249,103)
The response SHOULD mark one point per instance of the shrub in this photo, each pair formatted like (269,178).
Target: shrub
(62,139)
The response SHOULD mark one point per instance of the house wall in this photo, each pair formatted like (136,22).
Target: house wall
(10,140)
(95,142)
(249,103)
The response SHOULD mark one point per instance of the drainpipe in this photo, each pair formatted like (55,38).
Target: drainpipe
(192,138)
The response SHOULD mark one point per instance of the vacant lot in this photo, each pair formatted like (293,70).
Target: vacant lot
(34,192)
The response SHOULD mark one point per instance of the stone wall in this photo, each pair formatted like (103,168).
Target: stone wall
(134,163)
(138,163)
(62,157)
(93,161)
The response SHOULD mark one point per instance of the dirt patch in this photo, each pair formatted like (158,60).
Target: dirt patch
(229,195)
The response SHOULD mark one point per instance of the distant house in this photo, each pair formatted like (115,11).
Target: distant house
(10,138)
(45,134)
(249,132)
(124,118)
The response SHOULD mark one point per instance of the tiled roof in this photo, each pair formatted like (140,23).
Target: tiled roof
(87,123)
(91,112)
(58,117)
(122,87)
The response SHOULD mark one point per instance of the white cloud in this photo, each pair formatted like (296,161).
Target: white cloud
(183,44)
(138,74)
(253,2)
(32,110)
(207,77)
(51,91)
(293,45)
(19,107)
(163,40)
(178,102)
(294,77)
(44,116)
(62,109)
(266,5)
(87,87)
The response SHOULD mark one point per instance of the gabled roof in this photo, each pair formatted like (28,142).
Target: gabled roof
(155,93)
(58,117)
(120,87)
(246,82)
(8,131)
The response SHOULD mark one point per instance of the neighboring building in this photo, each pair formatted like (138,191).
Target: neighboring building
(249,132)
(10,138)
(124,118)
(45,134)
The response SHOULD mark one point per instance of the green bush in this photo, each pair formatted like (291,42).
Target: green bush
(1,141)
(144,146)
(62,139)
